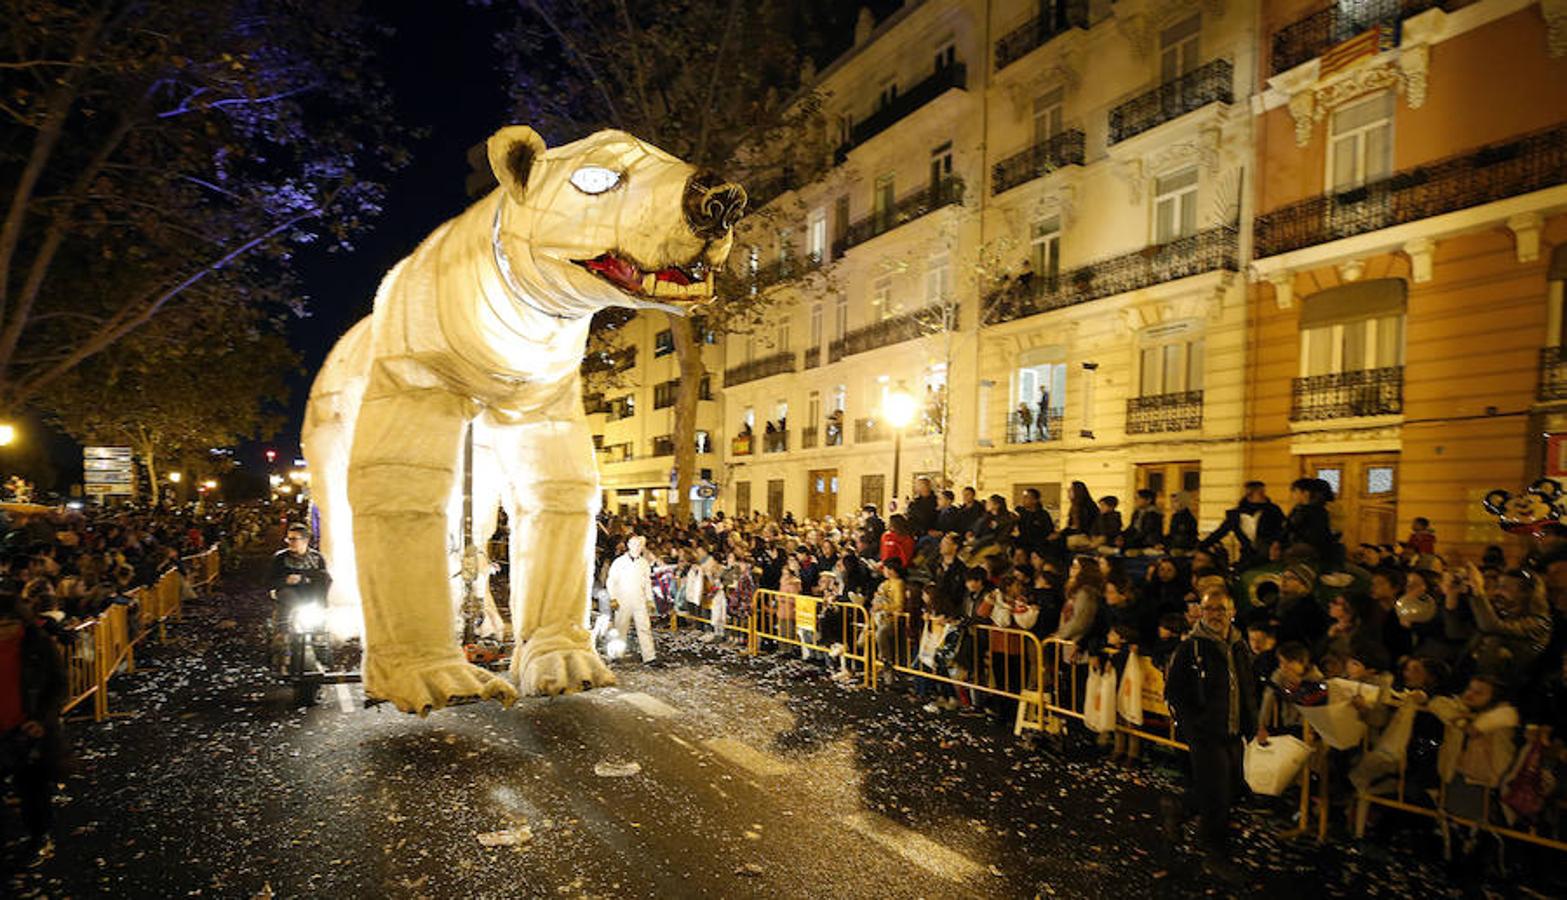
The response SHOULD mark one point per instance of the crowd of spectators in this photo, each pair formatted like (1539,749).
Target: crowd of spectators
(1456,668)
(60,567)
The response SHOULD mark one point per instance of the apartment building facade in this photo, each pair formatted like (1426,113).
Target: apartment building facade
(1409,230)
(1165,244)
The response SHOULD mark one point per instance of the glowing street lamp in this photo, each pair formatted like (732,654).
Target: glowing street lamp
(176,477)
(210,484)
(7,434)
(898,410)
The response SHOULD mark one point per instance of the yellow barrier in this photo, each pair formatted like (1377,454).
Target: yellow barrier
(83,675)
(105,645)
(787,618)
(746,629)
(1005,662)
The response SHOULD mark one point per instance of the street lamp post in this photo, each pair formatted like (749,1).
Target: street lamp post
(898,410)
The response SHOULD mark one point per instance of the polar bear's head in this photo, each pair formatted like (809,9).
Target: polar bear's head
(609,221)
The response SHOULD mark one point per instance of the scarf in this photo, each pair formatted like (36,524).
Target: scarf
(1233,696)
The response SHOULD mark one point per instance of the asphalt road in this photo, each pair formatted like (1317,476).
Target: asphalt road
(716,776)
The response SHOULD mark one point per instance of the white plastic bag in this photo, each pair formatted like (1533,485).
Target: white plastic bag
(1271,769)
(1099,702)
(1338,721)
(1129,696)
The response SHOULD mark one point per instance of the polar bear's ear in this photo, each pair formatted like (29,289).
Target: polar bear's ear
(514,153)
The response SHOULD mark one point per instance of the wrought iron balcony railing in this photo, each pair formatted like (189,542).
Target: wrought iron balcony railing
(780,270)
(775,441)
(1212,82)
(1034,430)
(808,436)
(929,320)
(761,367)
(1036,32)
(868,430)
(767,188)
(813,357)
(1494,172)
(911,206)
(1039,160)
(945,78)
(1343,395)
(1160,413)
(1341,20)
(1553,373)
(1205,251)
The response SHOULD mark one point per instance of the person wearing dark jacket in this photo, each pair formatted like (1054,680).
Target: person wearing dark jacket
(922,509)
(33,688)
(1183,525)
(1309,523)
(1147,527)
(1209,689)
(1256,522)
(1034,525)
(969,511)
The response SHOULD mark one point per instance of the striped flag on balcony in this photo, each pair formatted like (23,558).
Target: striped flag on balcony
(1370,42)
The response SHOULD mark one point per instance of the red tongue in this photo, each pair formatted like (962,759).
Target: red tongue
(674,275)
(617,270)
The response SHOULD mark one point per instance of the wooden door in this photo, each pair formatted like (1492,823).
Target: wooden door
(873,489)
(742,498)
(775,506)
(1165,479)
(1366,510)
(822,499)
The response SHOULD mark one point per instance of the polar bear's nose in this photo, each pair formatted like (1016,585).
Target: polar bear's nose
(713,206)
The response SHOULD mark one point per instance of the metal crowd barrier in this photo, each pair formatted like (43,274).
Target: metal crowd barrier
(104,646)
(745,628)
(788,619)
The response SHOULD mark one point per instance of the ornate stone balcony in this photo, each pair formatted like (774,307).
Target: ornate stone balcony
(944,79)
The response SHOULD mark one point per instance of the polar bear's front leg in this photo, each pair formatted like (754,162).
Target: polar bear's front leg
(401,473)
(551,502)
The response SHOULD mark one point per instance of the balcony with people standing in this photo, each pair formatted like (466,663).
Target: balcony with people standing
(1026,426)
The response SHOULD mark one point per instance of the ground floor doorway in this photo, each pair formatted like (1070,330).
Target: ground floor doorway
(1166,479)
(1366,484)
(822,495)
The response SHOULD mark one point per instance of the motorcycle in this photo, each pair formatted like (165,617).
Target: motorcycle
(304,645)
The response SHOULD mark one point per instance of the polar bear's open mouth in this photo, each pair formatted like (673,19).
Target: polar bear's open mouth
(693,281)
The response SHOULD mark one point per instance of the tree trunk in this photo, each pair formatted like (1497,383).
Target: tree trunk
(152,477)
(688,354)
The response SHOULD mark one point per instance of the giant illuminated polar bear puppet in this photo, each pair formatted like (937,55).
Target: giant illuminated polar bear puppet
(486,323)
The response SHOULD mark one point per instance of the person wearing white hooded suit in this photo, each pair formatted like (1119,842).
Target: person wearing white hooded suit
(630,584)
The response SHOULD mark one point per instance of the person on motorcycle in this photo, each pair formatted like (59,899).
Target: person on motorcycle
(299,576)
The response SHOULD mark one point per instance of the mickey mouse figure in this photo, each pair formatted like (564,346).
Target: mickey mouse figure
(1542,503)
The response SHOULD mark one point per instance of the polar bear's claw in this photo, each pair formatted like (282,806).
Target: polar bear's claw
(422,688)
(561,672)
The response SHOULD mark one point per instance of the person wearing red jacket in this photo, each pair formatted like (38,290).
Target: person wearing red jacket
(896,542)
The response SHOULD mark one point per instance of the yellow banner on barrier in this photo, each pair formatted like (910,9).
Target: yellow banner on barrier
(1153,690)
(805,613)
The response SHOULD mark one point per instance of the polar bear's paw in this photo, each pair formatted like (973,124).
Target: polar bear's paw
(424,686)
(562,671)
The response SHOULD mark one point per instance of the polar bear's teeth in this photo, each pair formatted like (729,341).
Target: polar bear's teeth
(649,283)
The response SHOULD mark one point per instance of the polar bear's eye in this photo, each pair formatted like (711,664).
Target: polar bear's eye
(594,179)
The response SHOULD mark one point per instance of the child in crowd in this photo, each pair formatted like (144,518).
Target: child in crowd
(886,607)
(1262,635)
(1171,631)
(938,644)
(1422,537)
(1278,713)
